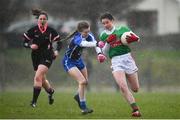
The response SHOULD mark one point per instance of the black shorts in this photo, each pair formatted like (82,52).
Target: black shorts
(43,58)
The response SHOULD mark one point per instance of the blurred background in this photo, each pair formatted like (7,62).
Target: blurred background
(157,22)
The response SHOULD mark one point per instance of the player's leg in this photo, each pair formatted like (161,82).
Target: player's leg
(133,81)
(132,77)
(120,78)
(41,71)
(131,73)
(121,81)
(77,75)
(48,88)
(76,97)
(85,74)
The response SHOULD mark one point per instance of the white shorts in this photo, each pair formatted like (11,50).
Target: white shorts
(124,63)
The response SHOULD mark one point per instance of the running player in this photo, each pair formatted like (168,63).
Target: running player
(40,38)
(74,65)
(122,64)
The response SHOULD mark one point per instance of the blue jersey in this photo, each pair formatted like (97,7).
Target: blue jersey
(72,57)
(74,50)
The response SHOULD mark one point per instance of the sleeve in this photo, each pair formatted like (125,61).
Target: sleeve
(77,40)
(97,49)
(91,37)
(54,35)
(89,41)
(88,44)
(84,43)
(28,37)
(105,49)
(123,29)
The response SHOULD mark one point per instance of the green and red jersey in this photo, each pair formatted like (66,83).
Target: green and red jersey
(118,49)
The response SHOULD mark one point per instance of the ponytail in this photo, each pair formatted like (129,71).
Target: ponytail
(80,27)
(70,35)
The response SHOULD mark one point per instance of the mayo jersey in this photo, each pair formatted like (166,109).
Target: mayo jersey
(119,49)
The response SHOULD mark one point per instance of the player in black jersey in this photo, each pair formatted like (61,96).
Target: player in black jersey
(40,39)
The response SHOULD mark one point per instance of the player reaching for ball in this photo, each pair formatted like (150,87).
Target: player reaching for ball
(40,39)
(123,66)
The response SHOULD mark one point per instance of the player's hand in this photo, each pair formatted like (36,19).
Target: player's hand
(26,45)
(34,47)
(101,58)
(100,44)
(132,38)
(55,55)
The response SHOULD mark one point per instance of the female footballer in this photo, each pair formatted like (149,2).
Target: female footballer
(74,65)
(122,64)
(40,39)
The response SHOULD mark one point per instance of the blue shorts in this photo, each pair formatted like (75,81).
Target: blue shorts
(68,63)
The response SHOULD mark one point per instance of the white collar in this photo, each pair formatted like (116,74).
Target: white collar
(111,31)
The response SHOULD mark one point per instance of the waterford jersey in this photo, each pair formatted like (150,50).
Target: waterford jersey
(119,49)
(74,50)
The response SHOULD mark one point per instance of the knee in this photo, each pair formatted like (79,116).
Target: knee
(38,78)
(83,82)
(136,89)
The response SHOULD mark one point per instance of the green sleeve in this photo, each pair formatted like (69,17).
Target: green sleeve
(124,29)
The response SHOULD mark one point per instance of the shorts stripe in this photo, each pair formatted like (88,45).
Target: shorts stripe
(66,64)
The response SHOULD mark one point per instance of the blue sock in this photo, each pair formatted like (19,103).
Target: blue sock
(83,104)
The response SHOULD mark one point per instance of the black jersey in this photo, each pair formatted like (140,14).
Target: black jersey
(44,54)
(43,40)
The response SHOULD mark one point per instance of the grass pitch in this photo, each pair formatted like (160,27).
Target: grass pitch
(105,105)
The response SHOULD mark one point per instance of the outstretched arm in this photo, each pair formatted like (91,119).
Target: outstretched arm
(105,49)
(88,44)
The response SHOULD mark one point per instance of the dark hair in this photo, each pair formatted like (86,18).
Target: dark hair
(106,16)
(38,12)
(80,27)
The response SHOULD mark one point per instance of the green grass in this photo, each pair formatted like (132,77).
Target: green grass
(105,105)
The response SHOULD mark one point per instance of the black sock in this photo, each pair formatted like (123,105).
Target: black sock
(36,92)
